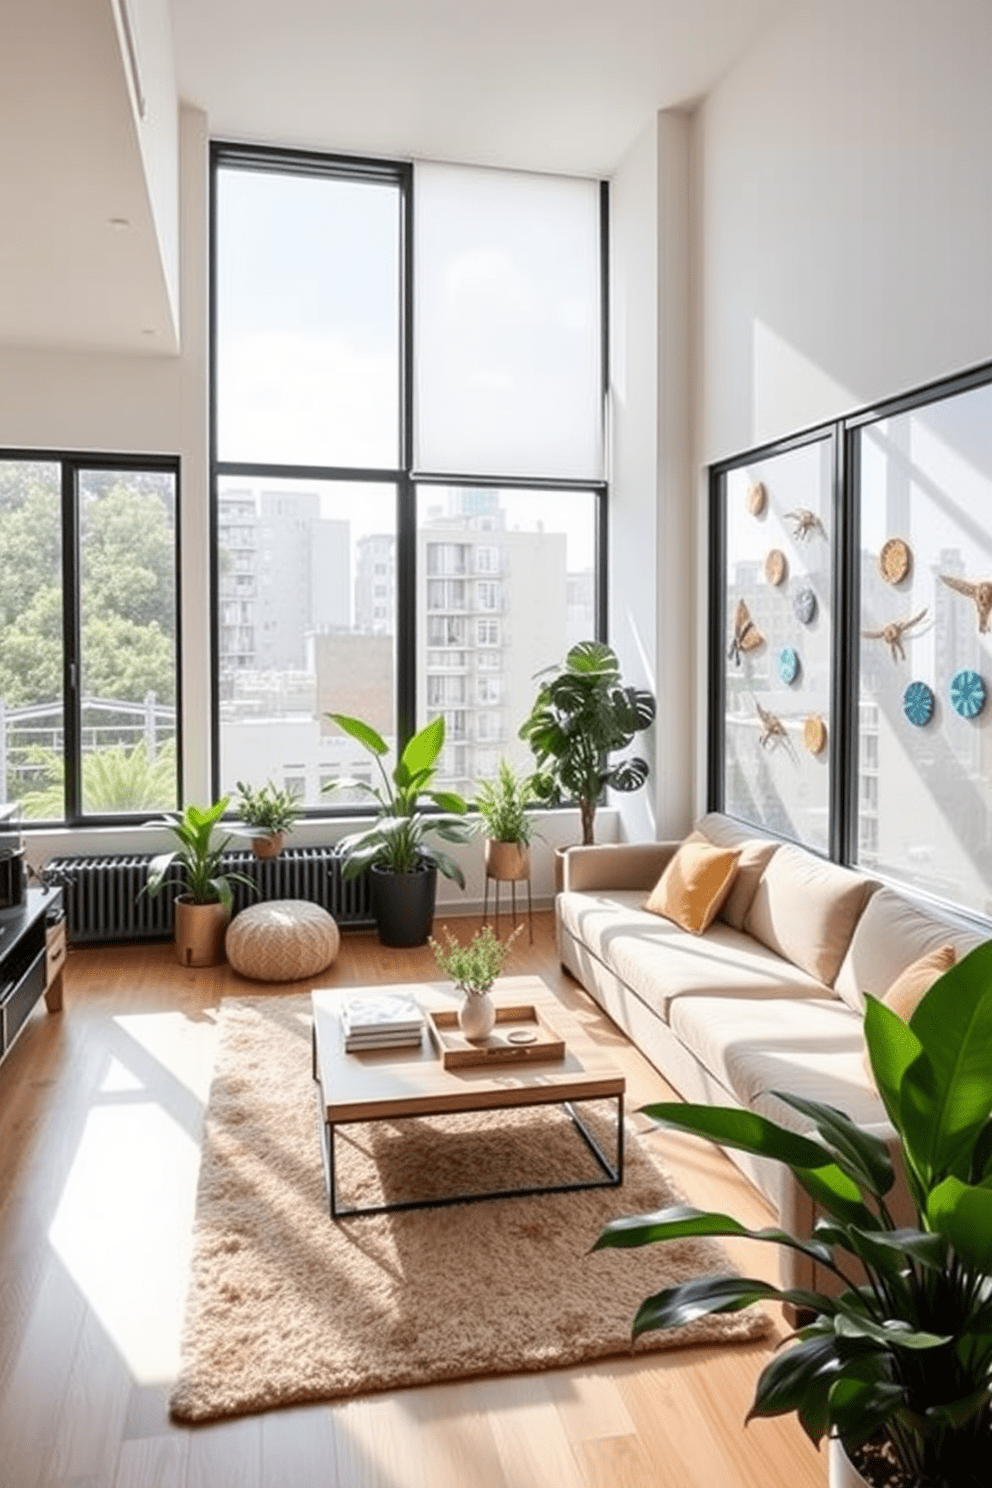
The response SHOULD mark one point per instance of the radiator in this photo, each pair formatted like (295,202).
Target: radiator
(104,899)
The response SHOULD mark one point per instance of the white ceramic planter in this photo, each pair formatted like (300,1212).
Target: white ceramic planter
(842,1472)
(477,1016)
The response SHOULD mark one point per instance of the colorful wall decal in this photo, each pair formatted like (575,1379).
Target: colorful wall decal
(776,567)
(788,664)
(967,694)
(747,636)
(980,590)
(756,497)
(815,734)
(893,632)
(895,560)
(917,703)
(804,605)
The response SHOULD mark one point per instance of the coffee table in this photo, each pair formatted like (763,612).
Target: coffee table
(392,1084)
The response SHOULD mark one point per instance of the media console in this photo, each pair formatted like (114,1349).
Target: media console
(32,957)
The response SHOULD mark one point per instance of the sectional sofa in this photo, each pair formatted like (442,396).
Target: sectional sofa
(769,997)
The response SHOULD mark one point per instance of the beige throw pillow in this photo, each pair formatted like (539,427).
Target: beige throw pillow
(912,985)
(694,885)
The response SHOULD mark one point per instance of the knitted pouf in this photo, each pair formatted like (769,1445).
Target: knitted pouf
(282,940)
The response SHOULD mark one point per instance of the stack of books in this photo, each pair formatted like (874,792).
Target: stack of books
(385,1020)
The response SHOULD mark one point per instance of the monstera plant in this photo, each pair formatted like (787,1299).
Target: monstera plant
(583,714)
(896,1363)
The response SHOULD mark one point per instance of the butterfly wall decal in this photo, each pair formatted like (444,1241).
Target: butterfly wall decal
(747,636)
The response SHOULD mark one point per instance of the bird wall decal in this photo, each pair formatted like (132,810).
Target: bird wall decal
(892,633)
(772,727)
(980,590)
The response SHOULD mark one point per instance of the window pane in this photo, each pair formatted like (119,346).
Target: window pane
(925,784)
(31,714)
(777,653)
(481,641)
(127,524)
(308,319)
(307,611)
(507,298)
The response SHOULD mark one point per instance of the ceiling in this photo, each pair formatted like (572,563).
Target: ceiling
(550,85)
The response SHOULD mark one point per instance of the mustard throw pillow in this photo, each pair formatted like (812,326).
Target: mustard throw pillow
(694,885)
(912,985)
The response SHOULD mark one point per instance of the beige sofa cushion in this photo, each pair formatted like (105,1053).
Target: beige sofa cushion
(806,910)
(891,934)
(660,963)
(808,1047)
(693,885)
(755,855)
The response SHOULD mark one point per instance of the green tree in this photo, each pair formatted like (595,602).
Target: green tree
(114,780)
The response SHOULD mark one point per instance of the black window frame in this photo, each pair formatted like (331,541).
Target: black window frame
(406,477)
(845,434)
(73,464)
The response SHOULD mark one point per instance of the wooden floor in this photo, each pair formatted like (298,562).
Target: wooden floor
(100,1114)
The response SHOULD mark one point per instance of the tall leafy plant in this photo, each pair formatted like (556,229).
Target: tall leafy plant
(409,810)
(196,865)
(903,1351)
(583,713)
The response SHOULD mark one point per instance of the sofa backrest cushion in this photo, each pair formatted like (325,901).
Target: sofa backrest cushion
(806,910)
(694,885)
(755,855)
(891,934)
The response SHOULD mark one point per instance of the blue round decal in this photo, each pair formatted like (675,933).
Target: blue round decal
(917,703)
(788,664)
(967,694)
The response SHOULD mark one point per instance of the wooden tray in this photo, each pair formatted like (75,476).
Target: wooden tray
(458,1053)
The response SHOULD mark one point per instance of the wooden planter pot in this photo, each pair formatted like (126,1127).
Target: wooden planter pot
(507,861)
(200,931)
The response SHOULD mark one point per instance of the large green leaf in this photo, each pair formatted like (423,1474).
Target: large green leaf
(787,1379)
(744,1130)
(363,732)
(864,1156)
(593,658)
(954,1024)
(857,1406)
(422,750)
(917,1245)
(681,1220)
(892,1048)
(963,1216)
(836,1193)
(678,1305)
(851,1322)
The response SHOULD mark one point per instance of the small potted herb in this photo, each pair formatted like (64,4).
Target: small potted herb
(473,968)
(502,804)
(269,813)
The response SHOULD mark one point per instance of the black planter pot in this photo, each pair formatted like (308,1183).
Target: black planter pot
(403,904)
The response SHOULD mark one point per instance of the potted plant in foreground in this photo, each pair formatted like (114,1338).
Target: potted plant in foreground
(473,968)
(269,812)
(402,863)
(897,1366)
(582,714)
(502,804)
(204,907)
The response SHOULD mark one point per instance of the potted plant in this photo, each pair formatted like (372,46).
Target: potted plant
(402,864)
(504,818)
(896,1363)
(204,907)
(269,812)
(473,968)
(582,714)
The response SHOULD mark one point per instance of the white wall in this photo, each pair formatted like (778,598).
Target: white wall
(651,527)
(845,214)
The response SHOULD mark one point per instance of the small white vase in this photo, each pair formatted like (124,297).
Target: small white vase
(477,1016)
(843,1473)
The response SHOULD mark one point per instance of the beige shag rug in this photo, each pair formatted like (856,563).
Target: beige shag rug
(285,1306)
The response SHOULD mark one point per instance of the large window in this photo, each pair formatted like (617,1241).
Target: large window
(88,637)
(409,454)
(851,655)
